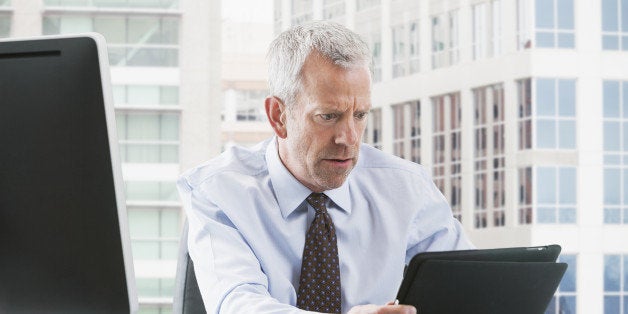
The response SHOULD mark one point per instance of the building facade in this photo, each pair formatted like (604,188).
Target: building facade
(518,108)
(165,58)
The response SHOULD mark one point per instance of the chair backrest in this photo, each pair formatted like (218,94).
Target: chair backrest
(187,295)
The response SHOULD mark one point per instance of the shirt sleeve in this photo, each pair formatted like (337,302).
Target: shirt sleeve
(229,275)
(434,228)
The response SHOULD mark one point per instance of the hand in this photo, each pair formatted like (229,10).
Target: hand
(389,308)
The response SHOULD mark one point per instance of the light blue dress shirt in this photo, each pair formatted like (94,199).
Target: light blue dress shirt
(248,218)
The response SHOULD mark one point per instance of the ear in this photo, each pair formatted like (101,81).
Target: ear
(276,113)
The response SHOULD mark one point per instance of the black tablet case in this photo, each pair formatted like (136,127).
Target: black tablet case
(510,280)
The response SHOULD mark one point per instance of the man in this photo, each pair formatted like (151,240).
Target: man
(311,219)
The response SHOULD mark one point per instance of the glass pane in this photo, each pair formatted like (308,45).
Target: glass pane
(624,106)
(119,94)
(565,13)
(551,307)
(612,216)
(545,39)
(568,283)
(121,126)
(169,191)
(545,133)
(147,287)
(169,127)
(625,216)
(143,30)
(142,153)
(169,250)
(567,305)
(625,275)
(610,42)
(624,42)
(75,24)
(143,126)
(546,185)
(169,153)
(624,15)
(567,134)
(143,250)
(611,99)
(544,14)
(142,190)
(5,25)
(611,186)
(609,15)
(545,97)
(167,57)
(113,28)
(143,223)
(169,95)
(611,305)
(567,215)
(611,136)
(143,95)
(611,272)
(546,215)
(566,41)
(170,223)
(567,98)
(567,177)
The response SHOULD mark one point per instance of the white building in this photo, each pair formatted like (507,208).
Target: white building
(520,110)
(165,58)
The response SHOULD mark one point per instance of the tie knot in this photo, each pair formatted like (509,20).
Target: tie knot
(318,200)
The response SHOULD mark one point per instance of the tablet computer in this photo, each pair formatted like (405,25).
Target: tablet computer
(508,280)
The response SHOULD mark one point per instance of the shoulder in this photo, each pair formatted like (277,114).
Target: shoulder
(236,161)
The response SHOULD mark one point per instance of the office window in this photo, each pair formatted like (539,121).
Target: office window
(524,24)
(132,40)
(615,144)
(147,307)
(489,156)
(564,300)
(554,24)
(155,287)
(244,105)
(5,25)
(366,4)
(552,198)
(145,95)
(525,195)
(147,137)
(555,113)
(154,232)
(487,29)
(301,11)
(407,131)
(615,25)
(373,132)
(615,284)
(369,29)
(148,191)
(277,16)
(446,168)
(445,47)
(555,194)
(524,99)
(161,4)
(405,48)
(334,10)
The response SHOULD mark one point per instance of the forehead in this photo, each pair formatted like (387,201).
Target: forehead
(332,83)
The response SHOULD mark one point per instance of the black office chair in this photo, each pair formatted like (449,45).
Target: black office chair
(187,296)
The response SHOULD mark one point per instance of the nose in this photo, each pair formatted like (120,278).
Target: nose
(347,133)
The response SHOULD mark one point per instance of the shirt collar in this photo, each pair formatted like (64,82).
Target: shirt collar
(290,193)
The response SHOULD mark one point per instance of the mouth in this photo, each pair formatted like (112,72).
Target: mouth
(339,162)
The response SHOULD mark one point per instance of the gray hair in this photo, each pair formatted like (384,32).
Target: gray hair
(287,54)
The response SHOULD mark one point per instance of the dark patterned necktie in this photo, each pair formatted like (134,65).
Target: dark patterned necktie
(319,285)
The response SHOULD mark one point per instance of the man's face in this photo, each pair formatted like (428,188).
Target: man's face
(324,127)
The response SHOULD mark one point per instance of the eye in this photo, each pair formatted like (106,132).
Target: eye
(328,116)
(361,115)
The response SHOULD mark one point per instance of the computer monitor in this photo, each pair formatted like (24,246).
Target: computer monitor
(64,244)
